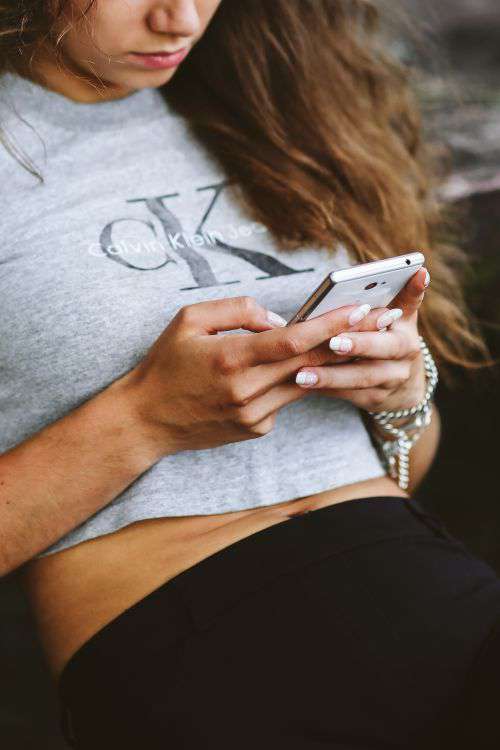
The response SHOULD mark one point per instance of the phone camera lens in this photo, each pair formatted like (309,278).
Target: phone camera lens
(372,285)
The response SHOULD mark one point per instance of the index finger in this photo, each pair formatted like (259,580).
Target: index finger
(291,341)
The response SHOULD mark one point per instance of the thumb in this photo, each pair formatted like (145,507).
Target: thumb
(412,295)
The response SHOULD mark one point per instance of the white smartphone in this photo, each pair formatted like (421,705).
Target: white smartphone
(376,283)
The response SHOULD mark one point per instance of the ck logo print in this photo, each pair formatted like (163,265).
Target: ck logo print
(191,248)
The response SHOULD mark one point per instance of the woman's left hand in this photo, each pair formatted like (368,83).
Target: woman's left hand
(390,372)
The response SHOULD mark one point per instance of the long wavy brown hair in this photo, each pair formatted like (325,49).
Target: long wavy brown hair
(319,125)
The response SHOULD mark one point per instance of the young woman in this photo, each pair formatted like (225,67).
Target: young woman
(214,551)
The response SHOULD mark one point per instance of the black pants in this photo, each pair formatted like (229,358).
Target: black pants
(354,626)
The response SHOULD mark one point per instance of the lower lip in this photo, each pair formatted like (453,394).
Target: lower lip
(158,61)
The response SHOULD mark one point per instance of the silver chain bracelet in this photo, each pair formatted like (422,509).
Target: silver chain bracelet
(396,453)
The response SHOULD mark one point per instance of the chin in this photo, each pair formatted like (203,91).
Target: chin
(146,79)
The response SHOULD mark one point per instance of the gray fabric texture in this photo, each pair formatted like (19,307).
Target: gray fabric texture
(134,220)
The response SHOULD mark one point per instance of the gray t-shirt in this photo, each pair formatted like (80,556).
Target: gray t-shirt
(135,220)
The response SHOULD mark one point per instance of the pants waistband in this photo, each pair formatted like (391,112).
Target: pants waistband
(194,598)
(218,581)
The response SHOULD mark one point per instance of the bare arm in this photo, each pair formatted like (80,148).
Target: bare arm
(190,392)
(424,451)
(67,471)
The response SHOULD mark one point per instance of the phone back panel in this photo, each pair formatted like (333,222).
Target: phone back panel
(378,290)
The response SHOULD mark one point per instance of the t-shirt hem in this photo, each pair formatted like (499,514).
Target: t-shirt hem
(293,490)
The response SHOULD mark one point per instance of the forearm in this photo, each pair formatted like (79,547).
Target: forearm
(424,451)
(59,477)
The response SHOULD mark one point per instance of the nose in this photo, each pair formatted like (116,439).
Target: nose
(174,17)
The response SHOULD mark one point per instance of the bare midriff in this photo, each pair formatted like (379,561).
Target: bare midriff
(77,591)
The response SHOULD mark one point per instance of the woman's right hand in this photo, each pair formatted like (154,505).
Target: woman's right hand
(196,390)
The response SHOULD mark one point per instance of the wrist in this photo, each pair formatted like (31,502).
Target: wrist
(413,421)
(148,441)
(398,423)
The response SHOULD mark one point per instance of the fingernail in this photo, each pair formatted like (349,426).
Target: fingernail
(340,344)
(358,314)
(306,378)
(275,320)
(427,278)
(389,317)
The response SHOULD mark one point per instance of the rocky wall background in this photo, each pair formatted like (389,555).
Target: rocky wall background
(460,87)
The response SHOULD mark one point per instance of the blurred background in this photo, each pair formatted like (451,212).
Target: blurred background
(459,65)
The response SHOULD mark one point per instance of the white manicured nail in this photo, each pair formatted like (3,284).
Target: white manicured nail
(340,344)
(358,314)
(274,319)
(389,317)
(427,278)
(306,378)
